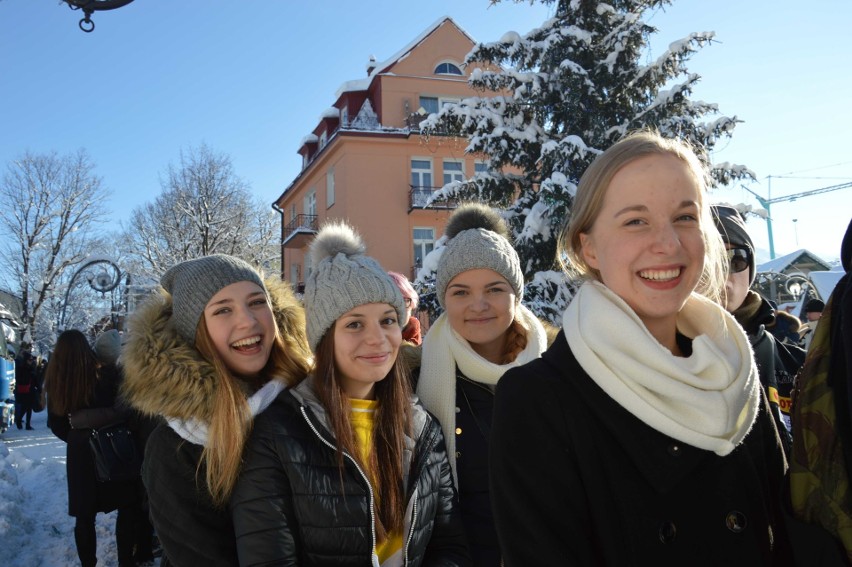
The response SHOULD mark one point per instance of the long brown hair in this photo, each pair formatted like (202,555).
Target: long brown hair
(392,422)
(231,421)
(71,374)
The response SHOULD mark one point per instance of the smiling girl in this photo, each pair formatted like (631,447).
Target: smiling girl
(207,353)
(641,436)
(484,331)
(347,468)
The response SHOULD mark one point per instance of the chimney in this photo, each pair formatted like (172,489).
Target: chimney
(371,64)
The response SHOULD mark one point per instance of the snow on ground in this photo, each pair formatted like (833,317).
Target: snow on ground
(35,528)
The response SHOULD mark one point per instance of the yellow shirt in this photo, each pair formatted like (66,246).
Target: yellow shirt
(362,418)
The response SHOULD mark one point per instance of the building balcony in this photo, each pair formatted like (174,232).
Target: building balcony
(418,198)
(300,231)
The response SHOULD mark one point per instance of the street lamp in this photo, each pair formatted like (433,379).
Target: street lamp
(103,281)
(91,6)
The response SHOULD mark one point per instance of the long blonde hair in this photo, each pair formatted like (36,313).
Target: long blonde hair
(590,197)
(231,420)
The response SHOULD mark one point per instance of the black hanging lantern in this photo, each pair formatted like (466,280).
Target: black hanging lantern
(89,7)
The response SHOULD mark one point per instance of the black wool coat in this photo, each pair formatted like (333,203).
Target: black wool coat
(87,496)
(290,508)
(474,410)
(578,480)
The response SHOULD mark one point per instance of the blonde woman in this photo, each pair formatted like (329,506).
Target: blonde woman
(642,435)
(208,353)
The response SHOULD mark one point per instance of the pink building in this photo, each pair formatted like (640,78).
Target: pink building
(366,162)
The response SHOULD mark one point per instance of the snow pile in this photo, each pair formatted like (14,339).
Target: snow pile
(35,527)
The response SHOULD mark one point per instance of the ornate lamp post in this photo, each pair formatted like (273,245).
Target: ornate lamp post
(103,281)
(91,6)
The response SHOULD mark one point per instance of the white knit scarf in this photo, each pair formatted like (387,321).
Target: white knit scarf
(444,349)
(708,400)
(195,430)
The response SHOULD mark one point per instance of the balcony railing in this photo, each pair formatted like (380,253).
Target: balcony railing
(418,197)
(299,229)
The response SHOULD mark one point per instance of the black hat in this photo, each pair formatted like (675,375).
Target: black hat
(814,306)
(731,225)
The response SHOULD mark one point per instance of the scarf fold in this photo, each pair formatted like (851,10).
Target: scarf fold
(708,400)
(195,430)
(444,349)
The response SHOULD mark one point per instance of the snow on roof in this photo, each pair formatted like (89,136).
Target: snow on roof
(824,282)
(783,262)
(309,139)
(363,84)
(331,112)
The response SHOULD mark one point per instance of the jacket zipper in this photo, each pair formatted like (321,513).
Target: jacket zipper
(364,476)
(426,453)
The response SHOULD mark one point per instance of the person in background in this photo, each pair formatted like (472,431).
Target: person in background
(347,468)
(25,378)
(813,312)
(786,328)
(207,353)
(484,331)
(750,309)
(411,329)
(81,396)
(642,436)
(107,347)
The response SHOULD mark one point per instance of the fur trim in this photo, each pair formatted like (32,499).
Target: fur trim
(336,237)
(476,215)
(166,376)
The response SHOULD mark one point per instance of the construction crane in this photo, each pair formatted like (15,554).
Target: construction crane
(765,203)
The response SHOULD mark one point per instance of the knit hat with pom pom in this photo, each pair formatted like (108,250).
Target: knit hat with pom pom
(478,238)
(343,278)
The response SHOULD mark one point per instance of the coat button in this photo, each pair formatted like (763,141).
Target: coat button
(458,430)
(675,450)
(458,409)
(736,521)
(667,532)
(458,454)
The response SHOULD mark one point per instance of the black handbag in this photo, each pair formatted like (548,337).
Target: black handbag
(115,452)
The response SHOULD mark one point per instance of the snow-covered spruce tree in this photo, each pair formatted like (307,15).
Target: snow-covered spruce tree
(554,99)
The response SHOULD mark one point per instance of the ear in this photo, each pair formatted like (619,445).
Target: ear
(588,250)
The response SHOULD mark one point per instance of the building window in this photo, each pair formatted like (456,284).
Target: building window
(453,171)
(294,274)
(308,267)
(322,139)
(311,203)
(421,181)
(344,116)
(424,242)
(429,104)
(329,188)
(447,68)
(293,212)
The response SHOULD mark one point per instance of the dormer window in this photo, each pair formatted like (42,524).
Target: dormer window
(322,139)
(447,68)
(344,116)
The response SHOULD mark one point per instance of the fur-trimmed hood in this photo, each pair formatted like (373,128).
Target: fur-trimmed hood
(166,376)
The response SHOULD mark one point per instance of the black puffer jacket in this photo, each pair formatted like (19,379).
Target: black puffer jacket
(289,507)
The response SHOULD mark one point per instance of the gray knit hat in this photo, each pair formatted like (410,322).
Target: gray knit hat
(107,346)
(478,238)
(192,284)
(344,278)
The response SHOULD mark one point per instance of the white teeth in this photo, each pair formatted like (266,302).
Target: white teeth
(659,275)
(246,342)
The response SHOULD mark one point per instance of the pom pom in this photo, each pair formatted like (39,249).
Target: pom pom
(334,238)
(476,215)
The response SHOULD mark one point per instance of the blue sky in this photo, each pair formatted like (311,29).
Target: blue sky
(251,80)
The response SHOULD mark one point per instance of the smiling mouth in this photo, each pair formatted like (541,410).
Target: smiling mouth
(660,275)
(246,344)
